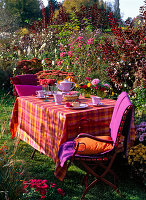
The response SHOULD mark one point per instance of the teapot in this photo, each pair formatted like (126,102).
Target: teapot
(65,86)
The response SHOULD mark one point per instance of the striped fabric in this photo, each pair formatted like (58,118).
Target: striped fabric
(45,126)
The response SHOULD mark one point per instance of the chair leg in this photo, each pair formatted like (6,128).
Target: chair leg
(32,155)
(88,188)
(98,177)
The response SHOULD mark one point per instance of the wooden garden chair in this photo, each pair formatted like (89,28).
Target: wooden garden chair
(81,148)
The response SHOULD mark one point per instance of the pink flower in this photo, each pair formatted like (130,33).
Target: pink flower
(62,54)
(106,85)
(79,38)
(80,44)
(59,62)
(62,48)
(69,53)
(90,41)
(71,48)
(95,81)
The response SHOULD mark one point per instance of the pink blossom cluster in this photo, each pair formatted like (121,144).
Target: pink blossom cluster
(90,41)
(41,186)
(62,54)
(59,62)
(95,81)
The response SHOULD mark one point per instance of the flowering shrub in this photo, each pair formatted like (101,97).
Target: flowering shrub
(31,66)
(37,189)
(125,56)
(140,133)
(137,153)
(137,159)
(138,100)
(47,81)
(81,55)
(53,74)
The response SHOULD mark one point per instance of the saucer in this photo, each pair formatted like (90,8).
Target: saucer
(99,104)
(82,106)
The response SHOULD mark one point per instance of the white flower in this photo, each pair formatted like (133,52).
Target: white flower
(28,50)
(42,47)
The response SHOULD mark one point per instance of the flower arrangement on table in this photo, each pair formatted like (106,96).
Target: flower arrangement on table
(94,86)
(40,189)
(99,88)
(46,83)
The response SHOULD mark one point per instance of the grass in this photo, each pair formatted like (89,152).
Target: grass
(42,167)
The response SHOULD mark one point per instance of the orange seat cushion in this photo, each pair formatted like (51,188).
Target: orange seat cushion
(90,146)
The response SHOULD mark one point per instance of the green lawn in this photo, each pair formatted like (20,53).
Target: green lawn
(42,167)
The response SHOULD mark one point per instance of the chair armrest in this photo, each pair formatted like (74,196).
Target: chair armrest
(93,137)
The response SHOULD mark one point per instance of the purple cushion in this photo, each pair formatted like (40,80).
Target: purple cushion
(15,80)
(28,79)
(27,90)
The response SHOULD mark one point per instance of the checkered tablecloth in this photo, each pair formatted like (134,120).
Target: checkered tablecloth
(45,126)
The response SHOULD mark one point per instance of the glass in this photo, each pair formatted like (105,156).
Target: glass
(45,91)
(53,89)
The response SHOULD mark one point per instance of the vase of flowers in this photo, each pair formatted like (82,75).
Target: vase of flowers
(85,87)
(95,87)
(98,88)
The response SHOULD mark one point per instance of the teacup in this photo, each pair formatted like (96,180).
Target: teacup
(96,100)
(40,93)
(58,98)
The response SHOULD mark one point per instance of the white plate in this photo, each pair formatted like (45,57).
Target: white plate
(99,104)
(82,106)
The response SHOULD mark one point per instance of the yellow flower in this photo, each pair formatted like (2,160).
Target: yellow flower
(113,93)
(140,153)
(89,84)
(76,85)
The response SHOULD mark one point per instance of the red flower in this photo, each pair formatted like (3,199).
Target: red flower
(43,197)
(53,185)
(88,78)
(60,191)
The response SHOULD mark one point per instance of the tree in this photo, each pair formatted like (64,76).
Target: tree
(117,10)
(23,9)
(52,6)
(8,22)
(69,4)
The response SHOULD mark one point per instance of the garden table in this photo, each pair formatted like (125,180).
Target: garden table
(45,126)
